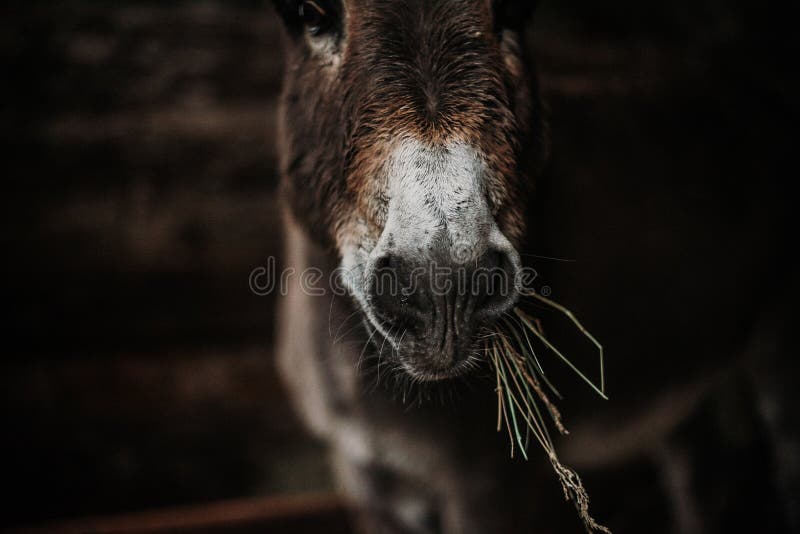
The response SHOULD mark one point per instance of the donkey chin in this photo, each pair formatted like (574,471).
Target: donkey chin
(441,271)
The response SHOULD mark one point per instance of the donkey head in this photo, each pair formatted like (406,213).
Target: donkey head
(408,129)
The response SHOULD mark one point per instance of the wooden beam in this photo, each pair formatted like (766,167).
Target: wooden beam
(296,514)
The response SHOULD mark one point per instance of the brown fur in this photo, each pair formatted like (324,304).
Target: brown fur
(433,70)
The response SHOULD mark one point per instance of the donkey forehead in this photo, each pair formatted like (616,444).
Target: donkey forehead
(418,29)
(420,11)
(431,63)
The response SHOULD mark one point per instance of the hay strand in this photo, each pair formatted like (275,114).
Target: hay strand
(519,379)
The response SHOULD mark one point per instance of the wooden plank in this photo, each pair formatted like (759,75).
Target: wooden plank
(296,514)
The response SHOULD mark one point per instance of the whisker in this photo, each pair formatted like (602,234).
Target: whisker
(369,339)
(551,258)
(339,338)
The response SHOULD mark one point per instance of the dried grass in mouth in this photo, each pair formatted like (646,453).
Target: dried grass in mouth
(521,397)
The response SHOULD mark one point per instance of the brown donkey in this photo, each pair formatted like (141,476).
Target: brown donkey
(403,127)
(411,132)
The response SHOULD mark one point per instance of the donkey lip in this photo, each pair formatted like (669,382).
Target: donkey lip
(427,362)
(428,373)
(421,357)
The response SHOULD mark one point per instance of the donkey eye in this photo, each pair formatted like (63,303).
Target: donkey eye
(314,17)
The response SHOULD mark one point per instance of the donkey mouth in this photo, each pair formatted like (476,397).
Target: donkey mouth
(419,367)
(424,373)
(431,316)
(426,356)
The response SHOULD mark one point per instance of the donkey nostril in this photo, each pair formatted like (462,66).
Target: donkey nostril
(389,264)
(394,291)
(494,284)
(402,293)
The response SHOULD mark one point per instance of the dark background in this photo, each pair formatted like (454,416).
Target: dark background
(140,193)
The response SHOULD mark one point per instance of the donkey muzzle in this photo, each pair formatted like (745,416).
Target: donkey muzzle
(441,306)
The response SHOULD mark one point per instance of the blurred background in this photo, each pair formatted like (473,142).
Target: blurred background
(140,194)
